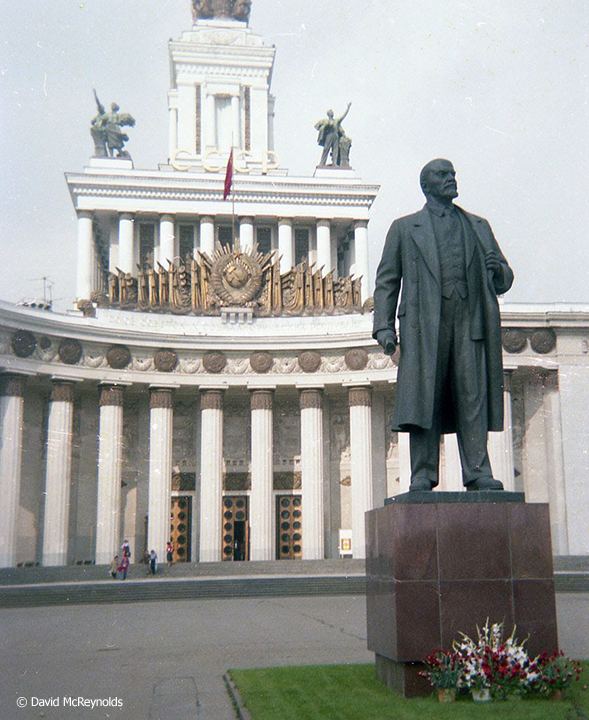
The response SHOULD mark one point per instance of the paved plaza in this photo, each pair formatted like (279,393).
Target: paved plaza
(165,660)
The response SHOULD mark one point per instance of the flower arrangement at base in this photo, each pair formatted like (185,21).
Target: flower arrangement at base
(491,662)
(443,672)
(556,673)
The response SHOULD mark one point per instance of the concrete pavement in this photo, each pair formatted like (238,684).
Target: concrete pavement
(165,660)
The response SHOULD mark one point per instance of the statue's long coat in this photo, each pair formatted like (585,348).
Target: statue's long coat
(411,255)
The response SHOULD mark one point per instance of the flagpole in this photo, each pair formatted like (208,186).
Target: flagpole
(232,195)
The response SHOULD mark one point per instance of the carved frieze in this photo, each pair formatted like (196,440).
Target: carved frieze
(543,341)
(309,361)
(165,360)
(287,481)
(261,362)
(70,352)
(118,357)
(237,482)
(214,362)
(23,343)
(356,359)
(514,341)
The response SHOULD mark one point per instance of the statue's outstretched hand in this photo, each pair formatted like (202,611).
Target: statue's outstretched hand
(387,339)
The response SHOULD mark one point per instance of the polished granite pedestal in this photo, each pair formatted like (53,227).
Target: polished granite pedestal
(442,563)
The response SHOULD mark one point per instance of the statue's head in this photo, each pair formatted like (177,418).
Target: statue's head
(438,180)
(330,114)
(242,9)
(114,107)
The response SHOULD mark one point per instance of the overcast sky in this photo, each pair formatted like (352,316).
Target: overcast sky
(500,87)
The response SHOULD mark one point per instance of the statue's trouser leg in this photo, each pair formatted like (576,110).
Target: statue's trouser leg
(461,382)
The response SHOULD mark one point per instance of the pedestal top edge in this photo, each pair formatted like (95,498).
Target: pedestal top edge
(434,497)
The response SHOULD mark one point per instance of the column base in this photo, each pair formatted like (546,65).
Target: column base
(402,677)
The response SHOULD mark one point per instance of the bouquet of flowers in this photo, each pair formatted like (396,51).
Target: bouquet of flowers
(491,662)
(443,670)
(556,672)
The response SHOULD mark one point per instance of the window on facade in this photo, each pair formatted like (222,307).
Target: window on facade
(301,245)
(146,243)
(224,123)
(264,238)
(186,242)
(225,237)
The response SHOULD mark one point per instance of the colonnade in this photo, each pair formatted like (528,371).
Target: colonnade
(58,465)
(124,238)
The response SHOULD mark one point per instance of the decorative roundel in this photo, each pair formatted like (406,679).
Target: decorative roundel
(356,359)
(514,341)
(309,361)
(165,360)
(214,362)
(236,278)
(261,362)
(543,341)
(70,352)
(118,357)
(23,343)
(44,342)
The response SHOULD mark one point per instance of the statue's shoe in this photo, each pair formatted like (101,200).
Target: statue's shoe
(421,485)
(485,483)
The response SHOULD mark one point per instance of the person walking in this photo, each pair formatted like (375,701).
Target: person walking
(114,566)
(153,562)
(170,554)
(123,567)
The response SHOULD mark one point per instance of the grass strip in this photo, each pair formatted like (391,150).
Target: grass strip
(352,692)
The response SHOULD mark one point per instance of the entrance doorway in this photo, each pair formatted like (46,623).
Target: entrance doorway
(235,529)
(289,528)
(180,527)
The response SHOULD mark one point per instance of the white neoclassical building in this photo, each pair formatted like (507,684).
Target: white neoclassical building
(219,385)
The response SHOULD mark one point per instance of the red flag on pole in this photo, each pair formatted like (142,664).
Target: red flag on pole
(228,177)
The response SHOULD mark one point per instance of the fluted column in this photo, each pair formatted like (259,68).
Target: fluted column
(167,249)
(58,471)
(246,234)
(210,121)
(126,243)
(85,255)
(262,513)
(161,416)
(324,246)
(361,252)
(211,475)
(207,235)
(235,114)
(360,402)
(110,460)
(286,245)
(312,473)
(11,426)
(173,133)
(501,444)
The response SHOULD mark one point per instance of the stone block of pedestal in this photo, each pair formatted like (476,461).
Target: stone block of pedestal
(438,564)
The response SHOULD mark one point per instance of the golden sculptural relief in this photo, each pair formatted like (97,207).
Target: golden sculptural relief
(232,278)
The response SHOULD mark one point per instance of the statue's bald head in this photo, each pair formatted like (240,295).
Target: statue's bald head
(438,178)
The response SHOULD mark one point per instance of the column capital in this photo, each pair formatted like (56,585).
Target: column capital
(359,224)
(126,216)
(84,215)
(111,395)
(207,219)
(246,220)
(12,385)
(62,391)
(285,222)
(160,398)
(262,399)
(211,399)
(166,217)
(311,399)
(360,397)
(324,223)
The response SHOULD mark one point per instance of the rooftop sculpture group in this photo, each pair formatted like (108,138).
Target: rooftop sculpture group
(207,9)
(334,140)
(106,131)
